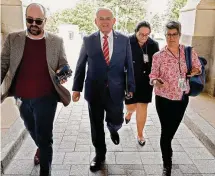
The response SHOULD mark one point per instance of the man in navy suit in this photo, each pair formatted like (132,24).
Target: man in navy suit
(108,54)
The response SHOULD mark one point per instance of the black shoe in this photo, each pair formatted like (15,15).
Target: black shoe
(96,163)
(127,115)
(127,120)
(115,137)
(141,142)
(166,171)
(45,173)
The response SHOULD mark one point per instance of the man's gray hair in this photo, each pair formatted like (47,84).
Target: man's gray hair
(39,5)
(104,8)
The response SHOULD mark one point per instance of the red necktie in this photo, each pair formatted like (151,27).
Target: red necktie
(106,50)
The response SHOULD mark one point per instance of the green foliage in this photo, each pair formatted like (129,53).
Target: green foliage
(127,12)
(156,24)
(174,8)
(82,15)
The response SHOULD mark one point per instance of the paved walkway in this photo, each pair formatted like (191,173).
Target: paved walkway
(204,105)
(73,150)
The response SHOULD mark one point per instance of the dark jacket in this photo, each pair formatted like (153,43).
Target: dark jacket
(99,75)
(11,57)
(141,69)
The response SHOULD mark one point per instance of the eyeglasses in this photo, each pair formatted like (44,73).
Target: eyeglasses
(174,35)
(143,35)
(37,21)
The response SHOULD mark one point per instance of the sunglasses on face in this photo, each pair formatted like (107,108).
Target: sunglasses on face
(37,21)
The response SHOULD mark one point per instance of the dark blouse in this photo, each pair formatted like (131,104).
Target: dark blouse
(142,69)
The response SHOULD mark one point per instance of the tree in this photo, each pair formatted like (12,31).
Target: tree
(174,7)
(82,15)
(127,12)
(156,23)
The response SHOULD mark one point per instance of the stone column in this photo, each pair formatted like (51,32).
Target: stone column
(212,73)
(198,29)
(11,21)
(11,17)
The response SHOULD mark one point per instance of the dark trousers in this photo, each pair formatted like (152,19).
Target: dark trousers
(114,119)
(38,115)
(170,113)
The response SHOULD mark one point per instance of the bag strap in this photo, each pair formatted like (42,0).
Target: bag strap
(188,57)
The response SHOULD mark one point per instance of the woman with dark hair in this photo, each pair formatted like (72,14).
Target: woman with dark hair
(143,48)
(169,77)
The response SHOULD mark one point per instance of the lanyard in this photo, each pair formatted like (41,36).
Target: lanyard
(142,48)
(177,59)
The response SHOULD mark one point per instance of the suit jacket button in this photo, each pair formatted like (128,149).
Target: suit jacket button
(144,72)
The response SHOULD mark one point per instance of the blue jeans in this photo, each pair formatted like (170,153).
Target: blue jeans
(38,116)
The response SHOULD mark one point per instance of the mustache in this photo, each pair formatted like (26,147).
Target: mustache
(34,30)
(34,26)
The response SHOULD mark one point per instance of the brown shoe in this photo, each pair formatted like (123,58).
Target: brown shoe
(37,157)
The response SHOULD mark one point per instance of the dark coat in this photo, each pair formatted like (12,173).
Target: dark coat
(143,92)
(140,68)
(99,74)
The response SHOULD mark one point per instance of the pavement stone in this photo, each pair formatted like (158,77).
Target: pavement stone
(73,149)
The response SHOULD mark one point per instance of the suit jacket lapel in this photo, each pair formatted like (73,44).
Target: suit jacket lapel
(115,43)
(19,47)
(49,48)
(98,41)
(98,45)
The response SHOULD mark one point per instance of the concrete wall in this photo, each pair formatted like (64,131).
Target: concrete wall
(198,29)
(11,21)
(211,85)
(11,17)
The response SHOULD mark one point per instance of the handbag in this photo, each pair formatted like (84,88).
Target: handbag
(196,82)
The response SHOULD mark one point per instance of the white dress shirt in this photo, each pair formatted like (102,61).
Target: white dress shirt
(110,42)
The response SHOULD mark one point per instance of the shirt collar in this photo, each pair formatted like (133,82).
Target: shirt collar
(44,36)
(166,50)
(109,35)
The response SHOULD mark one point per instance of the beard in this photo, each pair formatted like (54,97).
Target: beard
(34,30)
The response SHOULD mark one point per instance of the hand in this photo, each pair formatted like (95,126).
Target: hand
(158,83)
(76,96)
(62,81)
(130,94)
(194,71)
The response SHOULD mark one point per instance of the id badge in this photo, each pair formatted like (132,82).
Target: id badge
(145,58)
(182,84)
(18,102)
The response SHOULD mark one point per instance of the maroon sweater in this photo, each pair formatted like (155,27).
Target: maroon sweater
(33,79)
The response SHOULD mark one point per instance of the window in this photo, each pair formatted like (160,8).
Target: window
(71,35)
